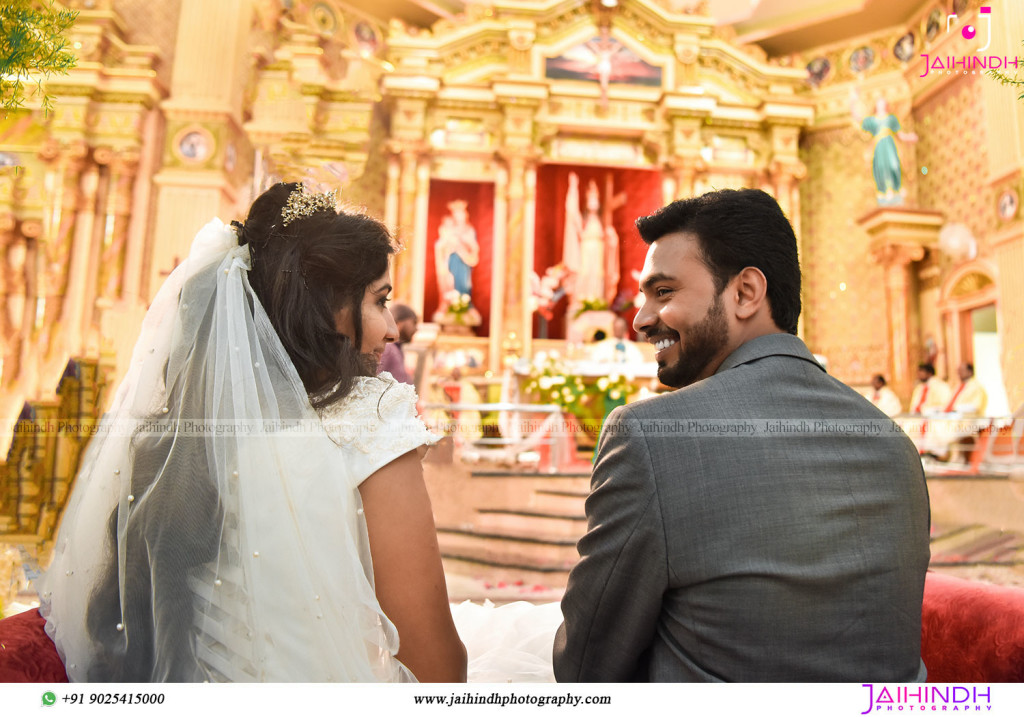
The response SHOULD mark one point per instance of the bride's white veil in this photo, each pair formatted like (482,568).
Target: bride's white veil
(212,533)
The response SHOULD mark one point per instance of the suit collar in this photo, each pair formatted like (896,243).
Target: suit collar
(768,345)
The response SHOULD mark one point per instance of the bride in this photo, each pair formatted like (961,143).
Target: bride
(253,507)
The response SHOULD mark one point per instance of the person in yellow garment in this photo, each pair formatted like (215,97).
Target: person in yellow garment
(931,394)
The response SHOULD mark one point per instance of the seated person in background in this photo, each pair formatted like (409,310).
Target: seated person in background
(970,398)
(619,348)
(393,358)
(945,439)
(884,398)
(931,394)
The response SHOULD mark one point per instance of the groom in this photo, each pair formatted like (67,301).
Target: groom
(763,523)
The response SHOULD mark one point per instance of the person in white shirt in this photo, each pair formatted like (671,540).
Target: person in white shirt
(884,398)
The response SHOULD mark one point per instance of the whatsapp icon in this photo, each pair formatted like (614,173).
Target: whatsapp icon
(49,699)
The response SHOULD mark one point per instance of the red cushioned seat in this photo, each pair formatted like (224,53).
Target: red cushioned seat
(972,631)
(27,654)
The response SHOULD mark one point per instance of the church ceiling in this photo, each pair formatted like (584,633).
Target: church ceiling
(780,27)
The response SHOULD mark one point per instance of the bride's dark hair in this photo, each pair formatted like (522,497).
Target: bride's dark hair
(304,273)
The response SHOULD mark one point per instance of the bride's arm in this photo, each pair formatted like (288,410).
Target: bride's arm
(407,570)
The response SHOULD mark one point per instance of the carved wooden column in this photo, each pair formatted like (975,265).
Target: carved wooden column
(900,237)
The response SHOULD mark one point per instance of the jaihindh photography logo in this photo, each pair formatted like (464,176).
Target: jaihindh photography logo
(927,698)
(970,63)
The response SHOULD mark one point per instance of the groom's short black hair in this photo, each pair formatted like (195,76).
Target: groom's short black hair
(737,228)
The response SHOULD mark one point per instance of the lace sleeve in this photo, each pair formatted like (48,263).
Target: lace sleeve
(375,424)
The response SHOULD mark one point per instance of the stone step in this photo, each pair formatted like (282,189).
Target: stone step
(976,545)
(495,571)
(536,521)
(506,547)
(562,500)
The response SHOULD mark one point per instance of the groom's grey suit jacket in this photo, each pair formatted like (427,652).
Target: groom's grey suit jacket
(794,554)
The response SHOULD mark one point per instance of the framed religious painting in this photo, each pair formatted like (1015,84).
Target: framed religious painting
(862,59)
(904,47)
(817,70)
(1008,204)
(933,24)
(193,144)
(366,37)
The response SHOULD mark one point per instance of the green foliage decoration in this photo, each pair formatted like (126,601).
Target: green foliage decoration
(552,381)
(1008,81)
(33,47)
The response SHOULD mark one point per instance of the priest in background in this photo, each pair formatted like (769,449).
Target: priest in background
(931,394)
(884,398)
(970,398)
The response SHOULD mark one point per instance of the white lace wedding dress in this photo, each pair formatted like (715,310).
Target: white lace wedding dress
(375,424)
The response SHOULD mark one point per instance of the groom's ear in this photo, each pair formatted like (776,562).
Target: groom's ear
(749,292)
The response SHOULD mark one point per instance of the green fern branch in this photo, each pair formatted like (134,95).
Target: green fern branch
(1007,81)
(32,48)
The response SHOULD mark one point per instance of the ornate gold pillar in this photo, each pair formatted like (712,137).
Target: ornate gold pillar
(784,178)
(1009,259)
(685,171)
(900,237)
(12,291)
(410,152)
(28,362)
(526,271)
(419,236)
(685,163)
(123,168)
(55,257)
(138,228)
(514,305)
(101,231)
(391,193)
(113,253)
(203,136)
(75,300)
(499,240)
(408,188)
